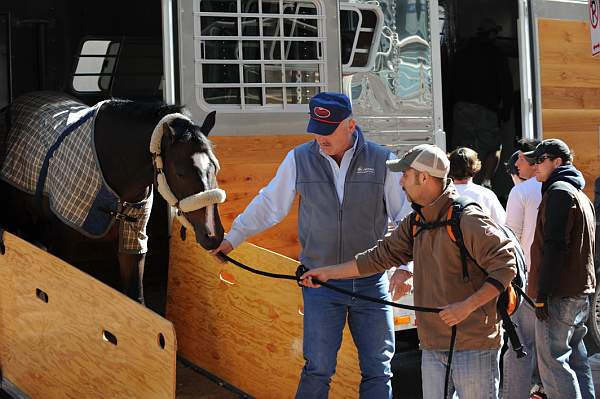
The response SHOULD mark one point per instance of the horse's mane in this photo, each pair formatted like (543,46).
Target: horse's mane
(156,109)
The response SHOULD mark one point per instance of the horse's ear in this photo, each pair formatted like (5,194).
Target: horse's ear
(177,129)
(171,133)
(209,123)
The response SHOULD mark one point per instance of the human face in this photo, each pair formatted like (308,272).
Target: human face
(526,170)
(338,142)
(544,166)
(411,184)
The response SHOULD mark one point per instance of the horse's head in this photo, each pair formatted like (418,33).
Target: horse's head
(190,170)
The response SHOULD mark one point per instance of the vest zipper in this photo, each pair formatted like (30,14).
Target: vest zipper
(341,206)
(339,258)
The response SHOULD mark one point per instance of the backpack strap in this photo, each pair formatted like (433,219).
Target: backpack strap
(453,226)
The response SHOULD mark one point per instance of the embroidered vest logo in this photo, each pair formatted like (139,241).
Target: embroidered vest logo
(361,170)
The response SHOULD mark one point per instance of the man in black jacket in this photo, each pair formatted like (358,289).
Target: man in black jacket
(562,272)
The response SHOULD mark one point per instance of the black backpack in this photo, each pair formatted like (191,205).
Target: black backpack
(513,296)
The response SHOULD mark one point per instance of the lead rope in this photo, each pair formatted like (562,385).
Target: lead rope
(302,269)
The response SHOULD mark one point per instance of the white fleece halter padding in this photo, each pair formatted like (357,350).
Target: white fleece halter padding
(202,200)
(194,201)
(159,130)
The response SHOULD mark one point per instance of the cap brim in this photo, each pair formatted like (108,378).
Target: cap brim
(530,156)
(397,165)
(321,128)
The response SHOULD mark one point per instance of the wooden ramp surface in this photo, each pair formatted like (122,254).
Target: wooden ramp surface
(248,333)
(55,326)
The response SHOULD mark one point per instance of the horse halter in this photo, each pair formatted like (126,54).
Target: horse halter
(192,202)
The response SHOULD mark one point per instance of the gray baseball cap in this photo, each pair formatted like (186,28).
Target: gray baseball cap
(424,158)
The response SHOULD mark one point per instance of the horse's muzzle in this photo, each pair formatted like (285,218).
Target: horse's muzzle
(207,238)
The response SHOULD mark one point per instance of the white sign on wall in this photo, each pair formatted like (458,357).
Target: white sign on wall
(594,13)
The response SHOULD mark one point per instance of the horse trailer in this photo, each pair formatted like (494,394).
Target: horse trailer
(257,63)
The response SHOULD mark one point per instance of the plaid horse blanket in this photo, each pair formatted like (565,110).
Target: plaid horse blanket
(73,181)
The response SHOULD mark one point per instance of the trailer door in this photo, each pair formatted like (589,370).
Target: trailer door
(525,60)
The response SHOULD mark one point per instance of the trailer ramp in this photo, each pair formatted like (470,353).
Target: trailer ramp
(245,328)
(64,334)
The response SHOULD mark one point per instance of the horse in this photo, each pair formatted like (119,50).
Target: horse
(138,148)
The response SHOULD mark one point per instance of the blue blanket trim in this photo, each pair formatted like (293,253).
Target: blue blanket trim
(99,219)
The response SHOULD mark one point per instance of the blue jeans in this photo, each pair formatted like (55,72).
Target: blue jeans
(561,354)
(475,374)
(372,328)
(520,374)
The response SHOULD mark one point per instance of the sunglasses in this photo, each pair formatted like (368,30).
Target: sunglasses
(542,158)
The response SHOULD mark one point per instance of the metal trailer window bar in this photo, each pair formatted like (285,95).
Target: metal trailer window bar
(361,26)
(118,67)
(259,55)
(95,66)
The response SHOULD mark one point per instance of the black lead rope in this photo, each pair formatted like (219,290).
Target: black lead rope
(303,269)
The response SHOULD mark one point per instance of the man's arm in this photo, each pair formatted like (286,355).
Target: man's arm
(343,270)
(496,210)
(515,212)
(494,253)
(272,204)
(489,247)
(397,205)
(457,312)
(394,249)
(556,240)
(269,207)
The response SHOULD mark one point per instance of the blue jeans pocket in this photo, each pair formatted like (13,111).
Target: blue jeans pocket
(571,311)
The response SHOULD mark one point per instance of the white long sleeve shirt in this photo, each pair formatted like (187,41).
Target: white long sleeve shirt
(521,213)
(484,197)
(273,202)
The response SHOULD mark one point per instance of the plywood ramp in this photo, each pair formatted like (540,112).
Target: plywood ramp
(570,86)
(248,333)
(56,328)
(248,163)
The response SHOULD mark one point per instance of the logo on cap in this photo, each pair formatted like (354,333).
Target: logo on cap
(322,112)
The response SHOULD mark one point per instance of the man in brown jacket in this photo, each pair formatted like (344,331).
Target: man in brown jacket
(438,278)
(562,272)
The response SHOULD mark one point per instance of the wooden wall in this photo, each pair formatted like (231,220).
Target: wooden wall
(247,331)
(248,163)
(55,346)
(570,87)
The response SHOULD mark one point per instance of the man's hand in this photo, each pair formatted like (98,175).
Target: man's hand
(456,312)
(225,247)
(541,308)
(320,274)
(400,283)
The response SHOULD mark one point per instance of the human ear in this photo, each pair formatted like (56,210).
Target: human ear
(351,124)
(558,162)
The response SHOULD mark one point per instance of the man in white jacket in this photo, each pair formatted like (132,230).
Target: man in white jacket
(521,216)
(464,164)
